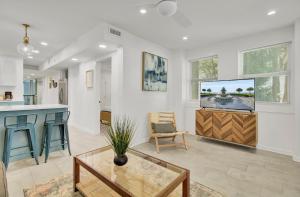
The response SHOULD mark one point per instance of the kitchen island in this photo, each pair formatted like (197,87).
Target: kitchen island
(10,102)
(20,139)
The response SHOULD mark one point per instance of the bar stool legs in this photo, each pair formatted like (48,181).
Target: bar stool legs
(43,140)
(32,143)
(7,147)
(9,133)
(29,143)
(46,140)
(67,138)
(62,136)
(55,120)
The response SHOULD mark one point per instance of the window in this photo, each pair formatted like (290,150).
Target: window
(269,66)
(202,70)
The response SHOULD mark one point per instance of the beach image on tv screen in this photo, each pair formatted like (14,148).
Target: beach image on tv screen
(234,94)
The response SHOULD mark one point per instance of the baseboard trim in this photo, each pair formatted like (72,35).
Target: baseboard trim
(275,150)
(296,158)
(82,129)
(141,141)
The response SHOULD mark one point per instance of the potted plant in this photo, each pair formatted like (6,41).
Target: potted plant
(119,135)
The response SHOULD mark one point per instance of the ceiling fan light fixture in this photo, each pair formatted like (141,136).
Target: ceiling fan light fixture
(167,7)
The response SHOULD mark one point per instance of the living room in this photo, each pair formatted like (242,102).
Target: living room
(174,70)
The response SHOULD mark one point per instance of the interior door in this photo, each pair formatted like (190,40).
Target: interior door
(105,91)
(105,86)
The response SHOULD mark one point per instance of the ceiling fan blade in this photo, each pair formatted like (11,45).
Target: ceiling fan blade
(181,19)
(145,5)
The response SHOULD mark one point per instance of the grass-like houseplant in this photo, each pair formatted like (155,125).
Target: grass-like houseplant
(119,135)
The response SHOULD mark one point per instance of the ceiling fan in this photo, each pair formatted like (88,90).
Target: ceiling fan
(169,8)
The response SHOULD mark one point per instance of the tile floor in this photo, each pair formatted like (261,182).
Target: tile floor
(233,170)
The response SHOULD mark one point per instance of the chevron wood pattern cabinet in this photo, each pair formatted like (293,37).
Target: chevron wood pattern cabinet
(222,125)
(229,126)
(244,129)
(204,125)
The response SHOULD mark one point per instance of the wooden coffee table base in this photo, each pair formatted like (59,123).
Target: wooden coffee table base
(90,182)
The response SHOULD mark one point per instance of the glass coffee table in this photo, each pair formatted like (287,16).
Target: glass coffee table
(95,174)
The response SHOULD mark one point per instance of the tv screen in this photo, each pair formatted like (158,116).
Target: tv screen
(228,94)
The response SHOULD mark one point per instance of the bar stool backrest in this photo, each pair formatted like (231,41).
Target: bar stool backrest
(20,120)
(57,117)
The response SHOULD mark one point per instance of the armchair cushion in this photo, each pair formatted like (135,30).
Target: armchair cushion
(163,127)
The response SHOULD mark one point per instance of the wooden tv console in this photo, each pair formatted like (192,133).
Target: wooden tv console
(236,127)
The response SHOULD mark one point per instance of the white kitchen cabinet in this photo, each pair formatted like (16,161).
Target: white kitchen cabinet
(8,71)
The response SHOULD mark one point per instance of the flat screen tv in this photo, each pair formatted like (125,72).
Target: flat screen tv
(228,94)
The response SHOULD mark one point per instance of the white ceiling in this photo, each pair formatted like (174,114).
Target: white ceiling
(88,54)
(34,73)
(59,22)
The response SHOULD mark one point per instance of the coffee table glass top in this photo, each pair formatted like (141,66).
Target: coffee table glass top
(142,175)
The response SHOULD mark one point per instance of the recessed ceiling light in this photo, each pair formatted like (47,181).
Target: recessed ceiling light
(103,46)
(44,43)
(32,74)
(272,12)
(143,11)
(74,59)
(29,57)
(36,51)
(185,38)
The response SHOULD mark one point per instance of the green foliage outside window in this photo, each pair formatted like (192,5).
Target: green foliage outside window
(202,70)
(269,66)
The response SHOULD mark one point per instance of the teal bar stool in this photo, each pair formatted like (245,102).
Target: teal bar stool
(52,120)
(16,124)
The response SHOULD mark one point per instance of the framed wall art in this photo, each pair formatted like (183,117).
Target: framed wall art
(155,73)
(89,78)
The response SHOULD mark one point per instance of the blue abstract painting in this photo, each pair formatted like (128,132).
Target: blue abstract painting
(155,71)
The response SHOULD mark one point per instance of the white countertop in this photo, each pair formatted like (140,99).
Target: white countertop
(6,101)
(31,107)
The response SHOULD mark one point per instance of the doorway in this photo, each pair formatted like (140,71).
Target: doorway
(105,72)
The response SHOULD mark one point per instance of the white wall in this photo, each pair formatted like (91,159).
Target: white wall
(49,95)
(276,123)
(83,102)
(17,90)
(176,94)
(297,91)
(138,103)
(127,95)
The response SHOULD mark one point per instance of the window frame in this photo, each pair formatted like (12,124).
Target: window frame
(272,74)
(191,79)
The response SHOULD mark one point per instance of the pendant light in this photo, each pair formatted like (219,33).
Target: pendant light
(24,48)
